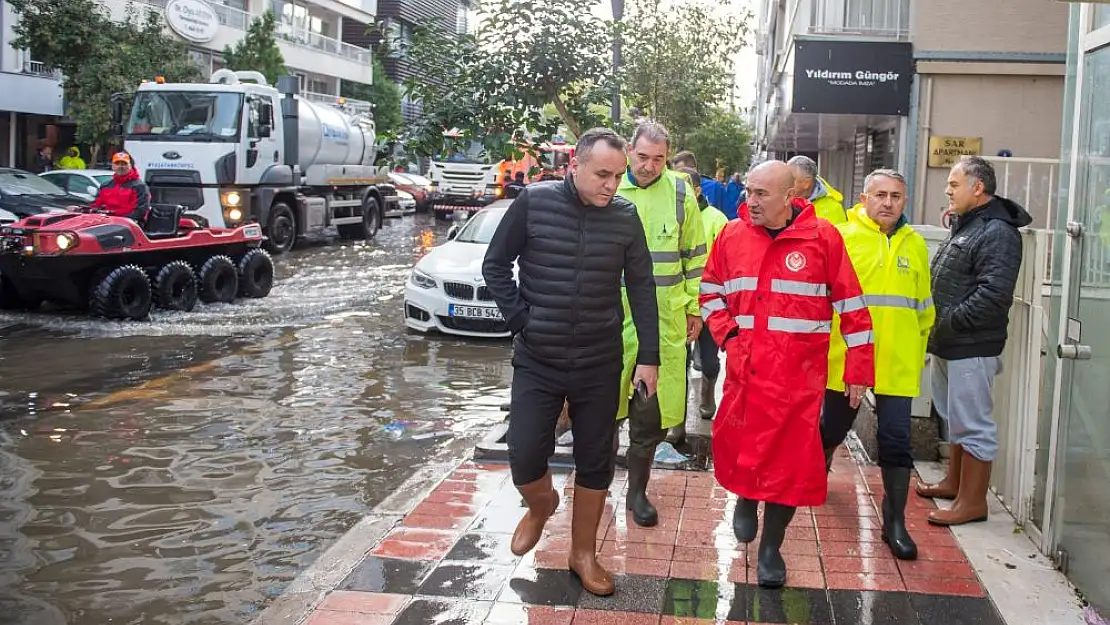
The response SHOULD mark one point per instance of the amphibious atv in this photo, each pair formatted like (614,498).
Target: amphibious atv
(115,268)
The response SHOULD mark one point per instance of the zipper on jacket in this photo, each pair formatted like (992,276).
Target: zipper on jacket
(577,280)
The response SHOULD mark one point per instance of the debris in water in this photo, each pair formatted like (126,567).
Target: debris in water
(420,437)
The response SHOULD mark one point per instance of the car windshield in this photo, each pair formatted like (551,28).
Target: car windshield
(103,179)
(26,183)
(480,228)
(452,152)
(185,116)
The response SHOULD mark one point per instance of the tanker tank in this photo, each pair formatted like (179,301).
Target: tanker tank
(329,136)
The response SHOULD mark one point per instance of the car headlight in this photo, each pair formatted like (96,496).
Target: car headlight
(423,280)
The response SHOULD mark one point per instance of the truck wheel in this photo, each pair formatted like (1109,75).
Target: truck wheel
(281,231)
(256,274)
(123,294)
(10,299)
(219,281)
(175,287)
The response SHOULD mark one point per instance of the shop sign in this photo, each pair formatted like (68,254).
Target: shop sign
(946,151)
(194,20)
(852,77)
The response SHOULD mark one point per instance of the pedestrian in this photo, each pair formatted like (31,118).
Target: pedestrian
(671,219)
(706,349)
(974,273)
(72,159)
(734,191)
(573,240)
(827,201)
(773,280)
(892,262)
(711,190)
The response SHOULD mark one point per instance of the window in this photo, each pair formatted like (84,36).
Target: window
(398,37)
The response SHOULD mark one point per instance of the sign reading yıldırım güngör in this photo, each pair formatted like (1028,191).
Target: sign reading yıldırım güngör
(946,151)
(852,77)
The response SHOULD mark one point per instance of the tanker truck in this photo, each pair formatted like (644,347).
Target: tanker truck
(237,150)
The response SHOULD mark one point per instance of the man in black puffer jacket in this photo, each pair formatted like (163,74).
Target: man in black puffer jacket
(974,274)
(574,239)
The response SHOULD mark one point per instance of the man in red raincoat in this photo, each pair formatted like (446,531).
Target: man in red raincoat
(773,279)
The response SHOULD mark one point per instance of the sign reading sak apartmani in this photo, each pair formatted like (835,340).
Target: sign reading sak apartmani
(194,20)
(946,151)
(852,77)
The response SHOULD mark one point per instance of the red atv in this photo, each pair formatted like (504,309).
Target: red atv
(117,269)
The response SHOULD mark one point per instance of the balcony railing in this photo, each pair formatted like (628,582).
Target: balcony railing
(240,20)
(38,68)
(881,18)
(358,107)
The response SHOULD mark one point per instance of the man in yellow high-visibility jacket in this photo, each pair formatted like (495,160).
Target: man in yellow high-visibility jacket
(892,262)
(827,201)
(668,208)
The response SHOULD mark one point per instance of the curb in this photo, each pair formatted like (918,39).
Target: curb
(309,588)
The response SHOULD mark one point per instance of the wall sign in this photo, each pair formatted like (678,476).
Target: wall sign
(946,151)
(194,20)
(852,77)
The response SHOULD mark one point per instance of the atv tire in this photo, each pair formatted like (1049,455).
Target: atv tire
(175,287)
(256,274)
(10,299)
(219,282)
(123,294)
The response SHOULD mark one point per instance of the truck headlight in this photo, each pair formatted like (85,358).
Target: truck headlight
(232,198)
(423,280)
(234,203)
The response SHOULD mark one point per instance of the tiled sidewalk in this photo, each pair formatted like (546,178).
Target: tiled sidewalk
(449,562)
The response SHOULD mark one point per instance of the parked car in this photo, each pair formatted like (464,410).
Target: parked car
(446,291)
(7,218)
(84,183)
(23,194)
(415,185)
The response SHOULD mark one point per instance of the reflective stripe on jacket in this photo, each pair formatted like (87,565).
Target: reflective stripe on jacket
(894,274)
(671,217)
(770,302)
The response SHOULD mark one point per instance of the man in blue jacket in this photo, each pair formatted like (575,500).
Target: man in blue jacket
(734,190)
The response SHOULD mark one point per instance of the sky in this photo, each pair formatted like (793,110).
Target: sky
(746,63)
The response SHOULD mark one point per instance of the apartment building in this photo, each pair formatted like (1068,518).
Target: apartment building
(325,43)
(912,84)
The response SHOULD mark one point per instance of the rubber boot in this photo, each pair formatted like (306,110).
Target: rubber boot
(585,517)
(896,487)
(771,570)
(707,407)
(830,452)
(970,505)
(639,463)
(950,485)
(542,501)
(745,520)
(677,434)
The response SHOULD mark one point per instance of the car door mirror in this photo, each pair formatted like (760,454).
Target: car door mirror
(91,190)
(452,232)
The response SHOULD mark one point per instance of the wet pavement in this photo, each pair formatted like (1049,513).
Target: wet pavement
(449,562)
(184,470)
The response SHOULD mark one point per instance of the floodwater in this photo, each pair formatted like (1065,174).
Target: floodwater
(185,470)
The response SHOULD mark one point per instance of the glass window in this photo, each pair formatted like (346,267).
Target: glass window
(187,115)
(481,227)
(1101,17)
(26,183)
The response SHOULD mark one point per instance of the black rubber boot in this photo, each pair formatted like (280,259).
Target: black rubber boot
(639,463)
(829,453)
(771,571)
(745,520)
(896,487)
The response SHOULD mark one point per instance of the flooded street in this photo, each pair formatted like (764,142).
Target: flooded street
(184,470)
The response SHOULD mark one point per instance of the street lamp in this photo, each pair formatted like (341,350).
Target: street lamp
(618,13)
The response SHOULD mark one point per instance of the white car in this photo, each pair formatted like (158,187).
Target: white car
(446,291)
(84,183)
(7,218)
(406,205)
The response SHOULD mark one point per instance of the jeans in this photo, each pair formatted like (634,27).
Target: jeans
(893,415)
(708,352)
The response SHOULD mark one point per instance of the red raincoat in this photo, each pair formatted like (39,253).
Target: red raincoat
(773,300)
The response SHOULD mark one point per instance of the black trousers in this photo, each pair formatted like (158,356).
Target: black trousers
(538,394)
(893,436)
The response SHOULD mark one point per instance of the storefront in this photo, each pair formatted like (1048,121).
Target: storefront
(1071,503)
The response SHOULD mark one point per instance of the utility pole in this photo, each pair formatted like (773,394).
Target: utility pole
(618,14)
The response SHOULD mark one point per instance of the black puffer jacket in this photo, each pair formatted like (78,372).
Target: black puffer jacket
(567,312)
(974,273)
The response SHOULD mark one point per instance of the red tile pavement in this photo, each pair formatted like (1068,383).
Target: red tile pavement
(837,546)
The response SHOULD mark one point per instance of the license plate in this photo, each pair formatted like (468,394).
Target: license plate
(474,312)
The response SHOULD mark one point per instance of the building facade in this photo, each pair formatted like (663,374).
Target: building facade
(325,43)
(863,84)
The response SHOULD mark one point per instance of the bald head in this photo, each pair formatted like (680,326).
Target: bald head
(770,193)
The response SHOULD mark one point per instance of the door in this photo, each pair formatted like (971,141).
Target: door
(262,146)
(1080,519)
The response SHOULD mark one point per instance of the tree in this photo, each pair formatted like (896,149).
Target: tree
(679,63)
(722,140)
(492,87)
(100,57)
(384,94)
(258,50)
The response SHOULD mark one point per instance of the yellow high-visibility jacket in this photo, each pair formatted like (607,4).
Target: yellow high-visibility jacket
(713,220)
(829,203)
(894,274)
(675,235)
